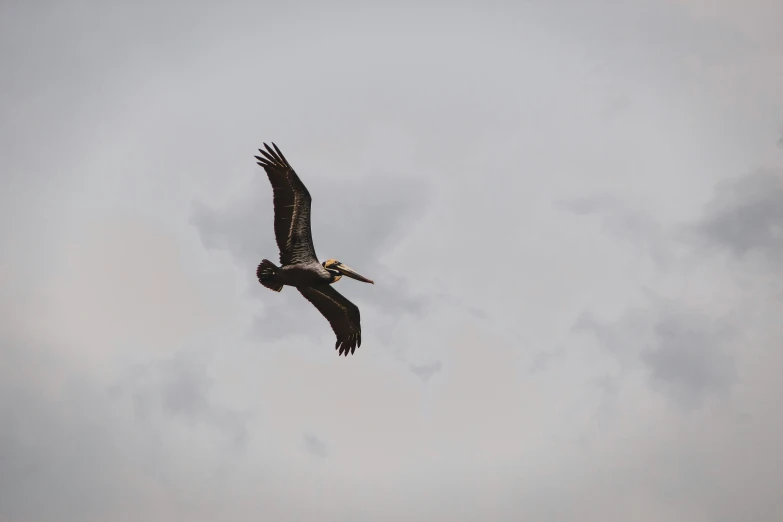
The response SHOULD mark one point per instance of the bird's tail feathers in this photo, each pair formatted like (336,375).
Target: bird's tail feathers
(267,275)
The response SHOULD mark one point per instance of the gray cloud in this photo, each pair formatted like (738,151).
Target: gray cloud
(689,359)
(426,371)
(631,225)
(746,216)
(315,446)
(686,354)
(179,387)
(543,360)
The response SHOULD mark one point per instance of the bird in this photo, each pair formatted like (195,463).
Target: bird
(299,265)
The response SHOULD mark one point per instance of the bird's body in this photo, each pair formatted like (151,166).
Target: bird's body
(300,267)
(304,274)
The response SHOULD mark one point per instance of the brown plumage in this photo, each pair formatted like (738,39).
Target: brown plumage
(299,264)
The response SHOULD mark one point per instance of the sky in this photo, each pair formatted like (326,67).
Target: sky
(572,211)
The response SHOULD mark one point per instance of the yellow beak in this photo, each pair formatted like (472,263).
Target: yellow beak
(353,274)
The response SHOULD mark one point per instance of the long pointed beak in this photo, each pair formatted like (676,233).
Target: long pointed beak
(350,272)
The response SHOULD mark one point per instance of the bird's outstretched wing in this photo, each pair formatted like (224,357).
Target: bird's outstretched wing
(292,208)
(342,314)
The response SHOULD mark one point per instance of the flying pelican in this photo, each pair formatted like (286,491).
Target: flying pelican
(300,266)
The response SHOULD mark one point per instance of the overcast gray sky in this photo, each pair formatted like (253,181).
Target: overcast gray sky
(572,212)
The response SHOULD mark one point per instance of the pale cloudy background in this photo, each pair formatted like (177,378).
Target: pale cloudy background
(573,212)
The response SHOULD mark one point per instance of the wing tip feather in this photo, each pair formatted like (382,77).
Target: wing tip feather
(274,156)
(348,345)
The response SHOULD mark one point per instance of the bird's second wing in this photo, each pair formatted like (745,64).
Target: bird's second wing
(342,314)
(292,208)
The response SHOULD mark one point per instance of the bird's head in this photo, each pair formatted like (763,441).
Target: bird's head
(338,269)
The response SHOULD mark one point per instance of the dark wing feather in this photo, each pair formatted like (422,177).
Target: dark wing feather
(292,204)
(342,314)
